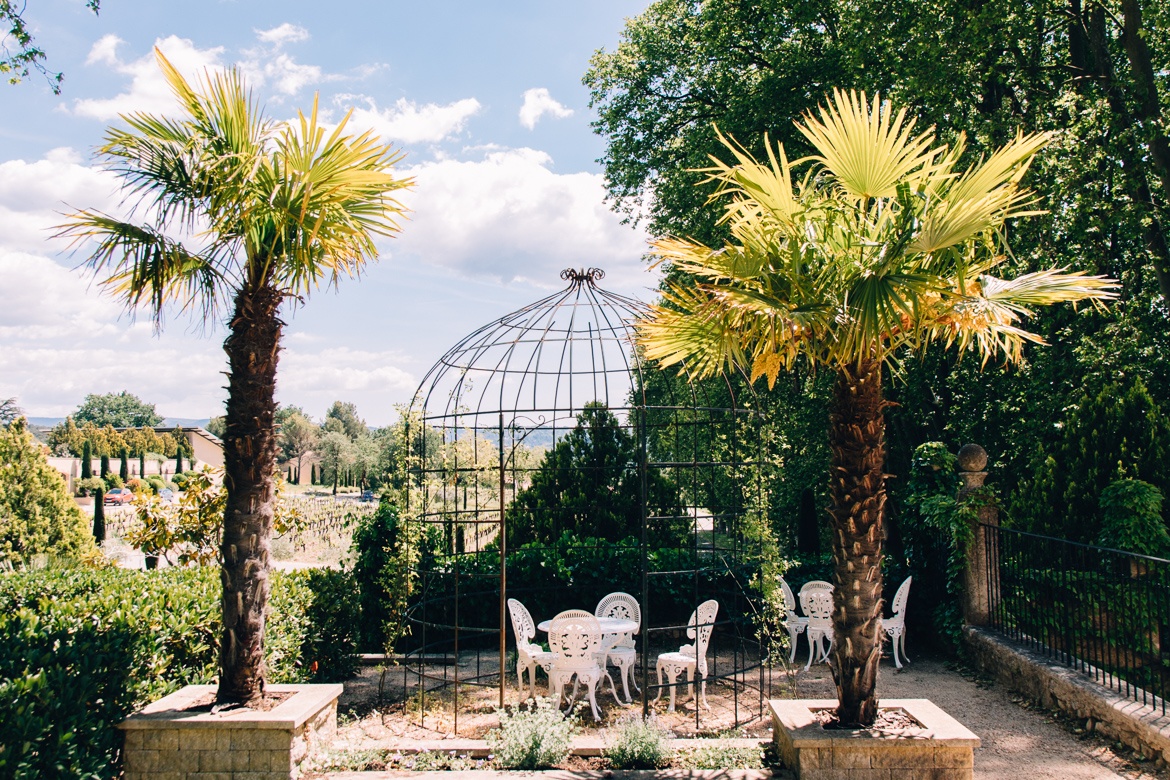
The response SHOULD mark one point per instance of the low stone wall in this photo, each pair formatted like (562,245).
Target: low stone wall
(168,741)
(1056,686)
(940,748)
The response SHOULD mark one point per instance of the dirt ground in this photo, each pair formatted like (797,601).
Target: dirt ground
(1018,740)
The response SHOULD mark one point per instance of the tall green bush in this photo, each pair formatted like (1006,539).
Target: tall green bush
(81,649)
(1131,518)
(37,514)
(385,556)
(1119,433)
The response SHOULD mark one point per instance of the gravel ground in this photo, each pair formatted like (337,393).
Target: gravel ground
(1018,741)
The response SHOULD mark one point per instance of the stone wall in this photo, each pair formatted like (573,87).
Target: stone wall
(1056,686)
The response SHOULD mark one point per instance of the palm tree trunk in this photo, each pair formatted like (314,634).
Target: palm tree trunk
(856,437)
(249,446)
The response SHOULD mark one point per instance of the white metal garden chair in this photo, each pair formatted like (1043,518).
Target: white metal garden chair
(895,627)
(792,621)
(574,637)
(529,655)
(816,599)
(690,658)
(619,649)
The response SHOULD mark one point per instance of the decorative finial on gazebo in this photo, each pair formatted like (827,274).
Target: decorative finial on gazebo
(585,275)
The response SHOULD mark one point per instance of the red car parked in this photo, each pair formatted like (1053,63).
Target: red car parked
(119,496)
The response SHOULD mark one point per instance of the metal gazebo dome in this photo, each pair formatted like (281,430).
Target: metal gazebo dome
(505,410)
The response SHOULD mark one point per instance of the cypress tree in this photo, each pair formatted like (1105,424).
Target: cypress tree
(124,467)
(142,465)
(86,459)
(99,516)
(105,465)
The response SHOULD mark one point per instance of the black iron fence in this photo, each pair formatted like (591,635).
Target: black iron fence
(1101,611)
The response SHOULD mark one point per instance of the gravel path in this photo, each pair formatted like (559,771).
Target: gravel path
(1018,742)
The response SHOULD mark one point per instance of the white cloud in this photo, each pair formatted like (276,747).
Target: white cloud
(509,216)
(315,379)
(408,122)
(286,75)
(148,90)
(105,50)
(537,103)
(282,34)
(34,195)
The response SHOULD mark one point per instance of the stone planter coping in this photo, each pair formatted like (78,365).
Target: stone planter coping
(804,730)
(559,774)
(290,715)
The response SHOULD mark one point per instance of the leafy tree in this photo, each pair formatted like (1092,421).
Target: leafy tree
(9,411)
(298,436)
(345,414)
(37,514)
(1132,518)
(337,455)
(16,62)
(120,410)
(66,438)
(885,245)
(1118,433)
(1087,72)
(216,426)
(282,207)
(589,486)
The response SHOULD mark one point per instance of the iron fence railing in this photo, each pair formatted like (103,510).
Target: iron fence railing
(1101,611)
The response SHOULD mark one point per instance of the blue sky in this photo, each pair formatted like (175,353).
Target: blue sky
(486,100)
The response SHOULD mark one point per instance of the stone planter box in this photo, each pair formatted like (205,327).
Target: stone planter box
(940,750)
(165,741)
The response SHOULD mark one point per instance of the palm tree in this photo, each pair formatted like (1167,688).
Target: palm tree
(882,247)
(231,206)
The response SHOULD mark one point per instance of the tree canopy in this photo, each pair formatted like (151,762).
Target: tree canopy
(121,410)
(588,485)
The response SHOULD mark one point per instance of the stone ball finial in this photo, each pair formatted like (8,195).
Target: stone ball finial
(972,457)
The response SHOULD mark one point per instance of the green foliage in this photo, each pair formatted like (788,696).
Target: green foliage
(112,480)
(15,62)
(121,410)
(385,556)
(37,514)
(638,744)
(716,756)
(936,530)
(90,485)
(343,418)
(80,649)
(534,737)
(1131,518)
(1116,433)
(589,485)
(9,411)
(86,460)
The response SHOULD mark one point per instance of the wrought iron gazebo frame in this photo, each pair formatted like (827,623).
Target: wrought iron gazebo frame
(523,374)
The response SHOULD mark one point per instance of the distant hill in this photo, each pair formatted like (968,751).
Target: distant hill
(168,422)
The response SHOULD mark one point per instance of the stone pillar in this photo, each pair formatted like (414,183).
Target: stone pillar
(980,581)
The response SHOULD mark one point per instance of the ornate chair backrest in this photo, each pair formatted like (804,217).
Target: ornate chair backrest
(901,596)
(575,637)
(522,625)
(816,599)
(789,599)
(699,628)
(621,605)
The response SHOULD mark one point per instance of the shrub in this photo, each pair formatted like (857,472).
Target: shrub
(1131,518)
(90,485)
(723,756)
(156,483)
(638,744)
(112,481)
(383,568)
(82,648)
(537,737)
(37,514)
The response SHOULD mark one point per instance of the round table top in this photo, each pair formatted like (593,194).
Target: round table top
(609,625)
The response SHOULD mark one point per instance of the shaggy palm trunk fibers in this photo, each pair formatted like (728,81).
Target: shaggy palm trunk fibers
(249,461)
(856,438)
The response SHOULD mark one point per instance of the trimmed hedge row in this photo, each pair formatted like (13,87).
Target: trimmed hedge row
(81,649)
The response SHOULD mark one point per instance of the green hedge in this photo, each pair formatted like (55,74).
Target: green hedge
(81,649)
